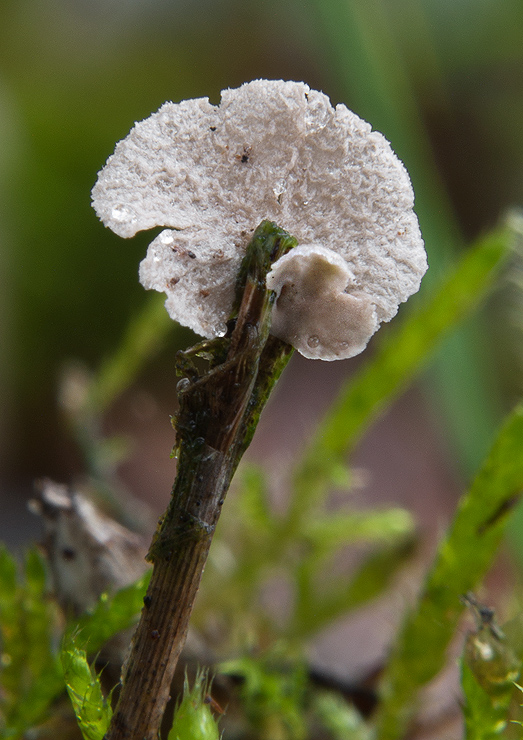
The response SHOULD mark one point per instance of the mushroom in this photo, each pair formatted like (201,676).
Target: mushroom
(316,311)
(279,151)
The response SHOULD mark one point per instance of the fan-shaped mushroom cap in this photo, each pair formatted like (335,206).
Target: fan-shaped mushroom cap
(271,150)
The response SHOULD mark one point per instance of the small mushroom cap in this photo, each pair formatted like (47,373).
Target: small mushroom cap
(271,150)
(319,309)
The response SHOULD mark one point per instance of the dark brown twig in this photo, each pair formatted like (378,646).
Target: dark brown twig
(218,413)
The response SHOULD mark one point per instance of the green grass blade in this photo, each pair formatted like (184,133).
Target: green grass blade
(481,723)
(462,559)
(485,717)
(404,351)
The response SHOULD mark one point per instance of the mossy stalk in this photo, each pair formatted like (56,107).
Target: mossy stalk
(219,410)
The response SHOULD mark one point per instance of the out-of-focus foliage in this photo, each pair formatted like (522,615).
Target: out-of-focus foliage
(255,541)
(273,693)
(462,560)
(399,356)
(392,65)
(300,546)
(340,718)
(110,615)
(33,673)
(30,675)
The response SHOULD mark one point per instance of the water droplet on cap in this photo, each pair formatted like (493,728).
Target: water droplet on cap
(279,189)
(313,341)
(122,213)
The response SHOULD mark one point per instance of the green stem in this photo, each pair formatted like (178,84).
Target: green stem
(219,410)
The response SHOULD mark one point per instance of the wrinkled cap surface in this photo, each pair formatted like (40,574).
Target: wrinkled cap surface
(279,151)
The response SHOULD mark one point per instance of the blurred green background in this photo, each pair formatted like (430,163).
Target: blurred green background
(442,79)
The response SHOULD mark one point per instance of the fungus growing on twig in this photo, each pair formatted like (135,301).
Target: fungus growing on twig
(279,151)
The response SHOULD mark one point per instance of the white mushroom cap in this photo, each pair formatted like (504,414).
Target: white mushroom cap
(279,151)
(319,308)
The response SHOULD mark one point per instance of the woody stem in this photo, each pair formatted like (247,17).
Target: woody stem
(219,411)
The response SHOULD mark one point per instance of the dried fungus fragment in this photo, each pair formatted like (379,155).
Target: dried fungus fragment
(271,150)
